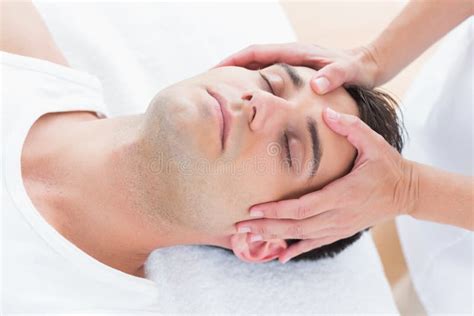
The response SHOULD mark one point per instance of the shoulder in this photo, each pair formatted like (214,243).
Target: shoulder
(23,32)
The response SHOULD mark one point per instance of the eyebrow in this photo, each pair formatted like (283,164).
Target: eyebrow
(293,74)
(315,144)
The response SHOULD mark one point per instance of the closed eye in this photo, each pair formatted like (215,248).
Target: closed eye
(267,82)
(286,144)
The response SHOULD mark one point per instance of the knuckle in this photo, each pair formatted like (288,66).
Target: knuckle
(261,230)
(354,122)
(296,231)
(274,211)
(273,236)
(302,212)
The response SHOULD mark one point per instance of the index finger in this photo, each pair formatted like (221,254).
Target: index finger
(264,55)
(308,205)
(254,54)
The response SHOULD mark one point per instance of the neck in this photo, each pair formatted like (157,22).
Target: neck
(82,182)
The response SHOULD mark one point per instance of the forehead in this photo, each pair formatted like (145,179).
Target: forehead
(338,99)
(337,153)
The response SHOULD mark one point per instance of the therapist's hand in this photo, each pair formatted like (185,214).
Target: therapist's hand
(336,67)
(380,186)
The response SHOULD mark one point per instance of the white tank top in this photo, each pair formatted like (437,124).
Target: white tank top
(42,272)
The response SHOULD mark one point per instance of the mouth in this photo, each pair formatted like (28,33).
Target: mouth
(223,115)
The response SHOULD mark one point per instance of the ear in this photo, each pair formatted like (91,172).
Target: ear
(257,251)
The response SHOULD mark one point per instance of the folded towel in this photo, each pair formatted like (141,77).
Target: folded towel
(136,49)
(207,279)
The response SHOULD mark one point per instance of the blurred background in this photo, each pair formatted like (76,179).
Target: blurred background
(347,24)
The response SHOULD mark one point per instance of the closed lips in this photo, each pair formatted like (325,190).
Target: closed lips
(223,114)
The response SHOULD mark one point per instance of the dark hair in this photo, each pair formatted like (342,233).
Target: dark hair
(379,111)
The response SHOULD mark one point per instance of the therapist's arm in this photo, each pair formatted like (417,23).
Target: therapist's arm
(417,27)
(23,32)
(443,197)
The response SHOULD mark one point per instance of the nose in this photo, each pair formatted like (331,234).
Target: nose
(264,110)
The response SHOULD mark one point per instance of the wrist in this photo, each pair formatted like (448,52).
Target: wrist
(367,58)
(410,188)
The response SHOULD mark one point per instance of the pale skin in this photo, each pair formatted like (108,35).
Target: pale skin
(112,186)
(342,208)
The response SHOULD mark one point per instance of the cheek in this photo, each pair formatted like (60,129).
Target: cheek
(229,189)
(260,175)
(189,123)
(219,193)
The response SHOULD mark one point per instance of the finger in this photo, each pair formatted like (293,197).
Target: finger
(264,55)
(328,78)
(272,229)
(306,206)
(255,66)
(261,54)
(360,135)
(229,61)
(305,246)
(269,229)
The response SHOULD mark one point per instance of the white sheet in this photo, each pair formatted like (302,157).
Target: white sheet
(137,49)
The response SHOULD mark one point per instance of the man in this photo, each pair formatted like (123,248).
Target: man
(88,198)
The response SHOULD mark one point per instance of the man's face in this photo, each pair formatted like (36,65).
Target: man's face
(233,137)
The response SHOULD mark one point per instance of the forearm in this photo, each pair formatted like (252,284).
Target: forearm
(415,29)
(442,196)
(24,32)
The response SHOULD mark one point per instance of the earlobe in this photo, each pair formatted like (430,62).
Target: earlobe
(256,252)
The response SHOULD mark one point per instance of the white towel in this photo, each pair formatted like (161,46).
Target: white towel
(204,279)
(136,49)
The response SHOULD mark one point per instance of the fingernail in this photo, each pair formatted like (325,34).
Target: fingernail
(284,260)
(322,84)
(256,213)
(244,230)
(332,115)
(256,238)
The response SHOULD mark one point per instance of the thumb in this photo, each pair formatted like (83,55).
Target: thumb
(361,136)
(328,78)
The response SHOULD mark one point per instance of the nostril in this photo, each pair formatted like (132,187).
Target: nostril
(249,105)
(247,96)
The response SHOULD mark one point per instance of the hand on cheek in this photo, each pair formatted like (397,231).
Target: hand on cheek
(379,187)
